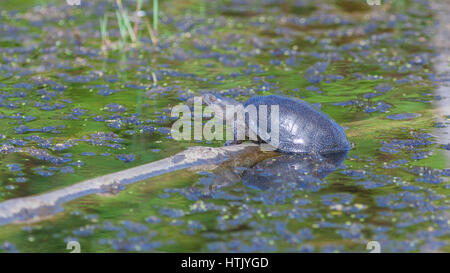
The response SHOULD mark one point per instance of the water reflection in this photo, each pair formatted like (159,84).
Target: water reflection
(291,169)
(278,170)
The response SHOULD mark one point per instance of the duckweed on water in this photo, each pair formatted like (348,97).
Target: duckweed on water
(71,110)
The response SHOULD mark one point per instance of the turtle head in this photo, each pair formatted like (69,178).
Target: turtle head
(216,100)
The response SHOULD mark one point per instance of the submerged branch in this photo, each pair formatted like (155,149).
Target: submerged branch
(35,208)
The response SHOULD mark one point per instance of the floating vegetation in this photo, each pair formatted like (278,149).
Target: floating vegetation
(88,90)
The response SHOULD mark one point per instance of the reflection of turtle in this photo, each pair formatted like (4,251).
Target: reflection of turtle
(272,170)
(272,173)
(302,127)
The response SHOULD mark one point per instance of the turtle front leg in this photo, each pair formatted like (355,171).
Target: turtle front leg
(232,142)
(235,140)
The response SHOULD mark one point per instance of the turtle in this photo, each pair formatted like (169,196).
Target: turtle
(303,128)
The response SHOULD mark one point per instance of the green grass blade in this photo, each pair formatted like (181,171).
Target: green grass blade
(123,32)
(128,27)
(155,15)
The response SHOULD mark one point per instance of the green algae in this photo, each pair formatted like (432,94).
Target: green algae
(365,130)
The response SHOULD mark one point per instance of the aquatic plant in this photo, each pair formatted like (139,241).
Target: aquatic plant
(151,33)
(155,15)
(392,187)
(124,23)
(104,32)
(202,9)
(128,27)
(136,19)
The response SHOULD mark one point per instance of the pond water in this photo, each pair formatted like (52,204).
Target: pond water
(77,102)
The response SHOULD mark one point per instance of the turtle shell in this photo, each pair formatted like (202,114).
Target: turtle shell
(302,127)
